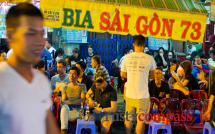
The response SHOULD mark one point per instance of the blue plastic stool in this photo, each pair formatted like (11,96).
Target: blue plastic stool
(155,126)
(208,128)
(81,124)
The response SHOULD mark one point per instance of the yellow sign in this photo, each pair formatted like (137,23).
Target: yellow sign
(15,1)
(118,19)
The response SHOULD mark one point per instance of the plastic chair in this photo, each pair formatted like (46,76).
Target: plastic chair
(193,108)
(208,129)
(154,127)
(199,94)
(174,105)
(171,107)
(163,105)
(174,93)
(82,124)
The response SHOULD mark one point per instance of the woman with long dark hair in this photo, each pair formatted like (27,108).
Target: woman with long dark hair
(185,81)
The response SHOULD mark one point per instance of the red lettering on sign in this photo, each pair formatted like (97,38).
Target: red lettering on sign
(196,27)
(197,31)
(105,21)
(167,27)
(126,18)
(144,28)
(187,25)
(116,24)
(154,21)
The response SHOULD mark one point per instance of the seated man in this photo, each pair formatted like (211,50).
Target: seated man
(157,87)
(200,71)
(82,77)
(58,81)
(105,97)
(72,97)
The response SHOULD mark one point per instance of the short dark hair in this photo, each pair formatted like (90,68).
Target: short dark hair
(82,65)
(19,10)
(76,69)
(125,51)
(75,50)
(175,61)
(59,51)
(173,54)
(197,56)
(90,46)
(159,68)
(139,40)
(161,48)
(68,57)
(49,41)
(194,59)
(41,64)
(100,80)
(62,62)
(97,58)
(212,52)
(2,52)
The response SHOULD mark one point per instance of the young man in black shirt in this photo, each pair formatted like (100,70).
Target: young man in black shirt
(157,87)
(104,103)
(82,77)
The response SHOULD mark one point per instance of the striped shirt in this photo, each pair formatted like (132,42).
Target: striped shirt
(102,72)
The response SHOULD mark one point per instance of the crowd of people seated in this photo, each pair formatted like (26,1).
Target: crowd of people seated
(77,80)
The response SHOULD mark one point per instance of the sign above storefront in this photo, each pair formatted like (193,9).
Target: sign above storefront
(118,19)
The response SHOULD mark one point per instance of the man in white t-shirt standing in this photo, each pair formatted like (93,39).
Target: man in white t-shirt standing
(25,93)
(136,68)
